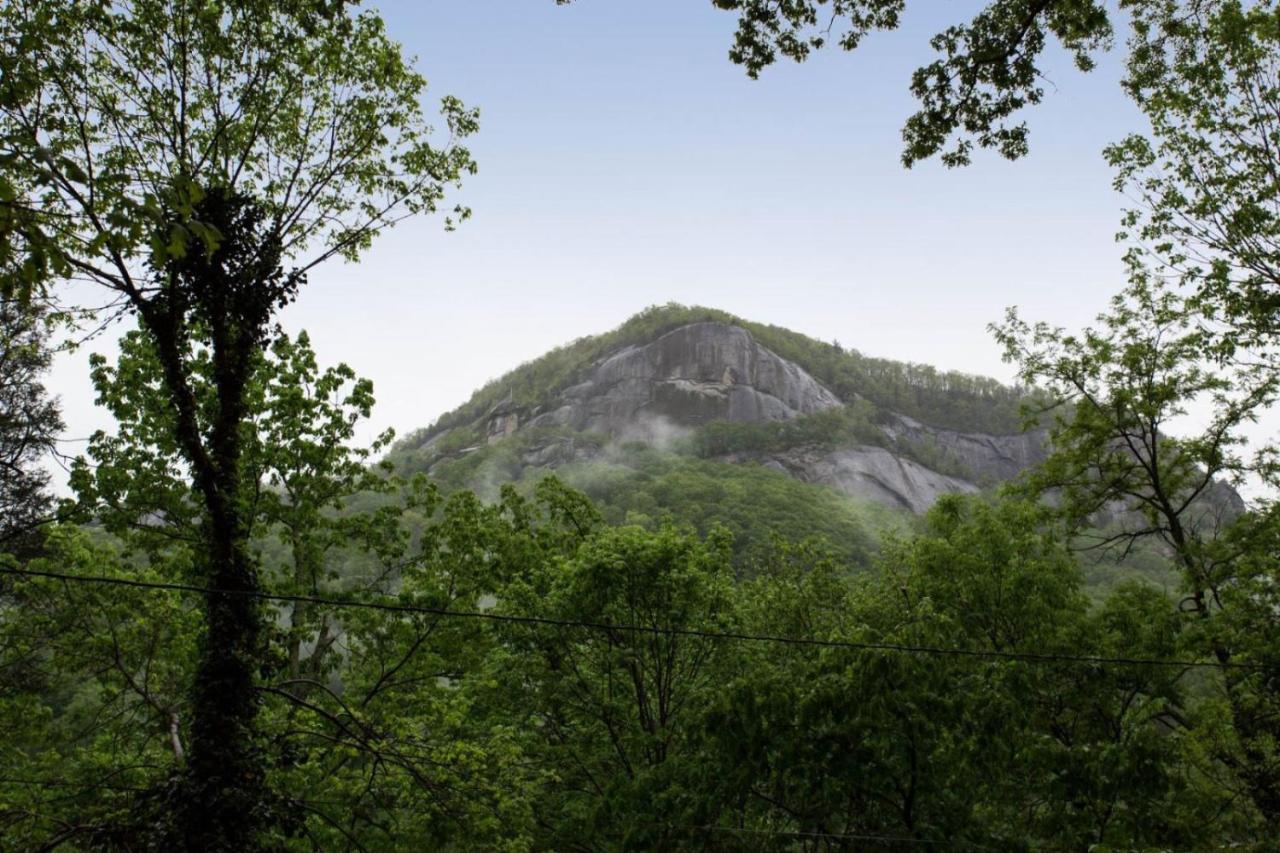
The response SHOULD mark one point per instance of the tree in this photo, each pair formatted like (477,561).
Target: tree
(94,696)
(29,423)
(1194,333)
(1149,361)
(363,732)
(308,539)
(609,715)
(833,746)
(182,155)
(988,71)
(1206,177)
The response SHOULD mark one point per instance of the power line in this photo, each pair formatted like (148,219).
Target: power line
(690,828)
(397,607)
(802,834)
(73,786)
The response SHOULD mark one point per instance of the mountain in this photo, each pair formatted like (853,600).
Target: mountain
(703,415)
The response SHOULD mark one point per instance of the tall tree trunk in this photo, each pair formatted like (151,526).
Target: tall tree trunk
(222,297)
(226,777)
(223,803)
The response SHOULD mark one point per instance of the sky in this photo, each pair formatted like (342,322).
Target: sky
(624,161)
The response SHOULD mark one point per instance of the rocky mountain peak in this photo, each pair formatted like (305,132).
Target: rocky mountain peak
(692,375)
(669,387)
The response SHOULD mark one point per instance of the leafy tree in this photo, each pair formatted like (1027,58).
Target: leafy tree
(384,745)
(363,732)
(988,69)
(1205,175)
(298,455)
(93,695)
(182,156)
(851,424)
(29,423)
(836,745)
(608,714)
(1194,332)
(305,473)
(1147,363)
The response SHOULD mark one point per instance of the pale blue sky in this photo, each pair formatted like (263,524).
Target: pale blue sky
(624,161)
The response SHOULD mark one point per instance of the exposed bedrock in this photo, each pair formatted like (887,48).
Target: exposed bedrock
(689,376)
(872,473)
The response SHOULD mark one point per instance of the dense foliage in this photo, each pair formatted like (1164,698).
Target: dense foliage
(1149,359)
(1194,331)
(1204,177)
(625,705)
(29,423)
(242,634)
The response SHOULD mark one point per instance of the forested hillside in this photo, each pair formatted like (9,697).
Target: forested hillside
(694,414)
(843,471)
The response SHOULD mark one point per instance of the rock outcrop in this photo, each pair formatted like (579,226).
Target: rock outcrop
(870,473)
(985,458)
(690,376)
(709,371)
(661,390)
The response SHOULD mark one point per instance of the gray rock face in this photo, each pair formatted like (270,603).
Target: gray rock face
(871,473)
(689,376)
(987,458)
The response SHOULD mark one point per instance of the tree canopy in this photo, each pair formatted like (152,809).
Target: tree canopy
(987,71)
(29,422)
(196,159)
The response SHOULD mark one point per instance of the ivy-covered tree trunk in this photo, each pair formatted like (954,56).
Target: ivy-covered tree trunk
(221,295)
(221,806)
(224,806)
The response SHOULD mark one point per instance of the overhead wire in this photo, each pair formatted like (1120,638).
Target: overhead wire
(683,828)
(817,836)
(394,606)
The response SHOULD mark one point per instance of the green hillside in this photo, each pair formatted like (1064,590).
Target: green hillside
(686,479)
(633,483)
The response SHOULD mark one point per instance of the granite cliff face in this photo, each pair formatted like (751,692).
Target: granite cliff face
(663,390)
(988,458)
(879,474)
(871,473)
(690,376)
